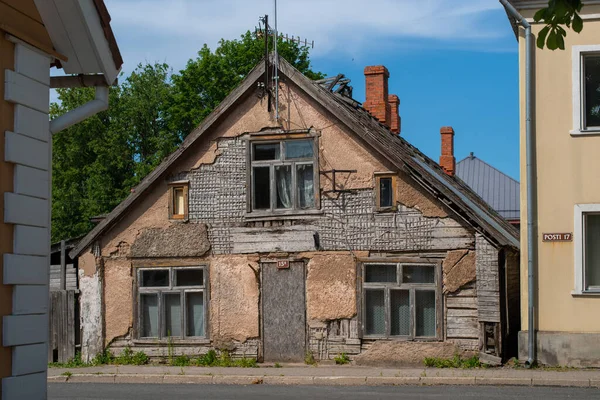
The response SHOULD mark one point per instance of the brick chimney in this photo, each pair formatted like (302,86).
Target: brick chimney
(395,122)
(447,160)
(377,93)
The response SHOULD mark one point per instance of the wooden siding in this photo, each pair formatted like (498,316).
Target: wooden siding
(21,19)
(55,277)
(488,284)
(6,185)
(462,318)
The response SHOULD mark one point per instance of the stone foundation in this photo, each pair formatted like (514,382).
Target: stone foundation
(563,348)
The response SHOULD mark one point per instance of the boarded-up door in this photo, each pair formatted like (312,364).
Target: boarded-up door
(284,315)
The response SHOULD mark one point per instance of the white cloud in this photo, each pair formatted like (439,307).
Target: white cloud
(172,31)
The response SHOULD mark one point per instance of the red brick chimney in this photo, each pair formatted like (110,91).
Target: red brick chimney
(377,93)
(447,160)
(395,123)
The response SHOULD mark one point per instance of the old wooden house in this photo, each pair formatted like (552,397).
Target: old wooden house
(311,228)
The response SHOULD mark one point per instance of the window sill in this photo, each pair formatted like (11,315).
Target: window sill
(401,338)
(585,132)
(576,293)
(384,210)
(173,341)
(274,215)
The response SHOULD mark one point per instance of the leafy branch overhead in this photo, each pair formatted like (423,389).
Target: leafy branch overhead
(557,14)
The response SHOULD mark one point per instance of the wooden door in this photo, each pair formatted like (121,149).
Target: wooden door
(284,312)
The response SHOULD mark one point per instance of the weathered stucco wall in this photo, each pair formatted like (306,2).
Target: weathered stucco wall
(331,287)
(90,300)
(234,298)
(118,301)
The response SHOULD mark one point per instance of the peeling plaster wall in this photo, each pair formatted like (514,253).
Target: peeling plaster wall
(91,315)
(331,287)
(118,292)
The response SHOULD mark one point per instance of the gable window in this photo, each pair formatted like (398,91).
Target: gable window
(587,249)
(172,302)
(385,190)
(178,200)
(400,300)
(283,175)
(586,89)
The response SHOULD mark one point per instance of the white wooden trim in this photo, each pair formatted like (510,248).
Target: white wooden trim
(20,89)
(576,69)
(578,240)
(26,151)
(32,386)
(25,210)
(29,359)
(30,299)
(31,182)
(24,329)
(32,123)
(31,241)
(25,270)
(33,64)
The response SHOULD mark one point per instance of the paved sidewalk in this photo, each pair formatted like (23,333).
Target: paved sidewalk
(326,375)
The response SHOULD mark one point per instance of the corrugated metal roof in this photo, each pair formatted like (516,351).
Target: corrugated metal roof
(499,190)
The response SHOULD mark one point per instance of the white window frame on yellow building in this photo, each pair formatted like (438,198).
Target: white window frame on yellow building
(579,241)
(578,52)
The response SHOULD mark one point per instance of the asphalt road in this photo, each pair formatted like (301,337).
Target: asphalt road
(89,391)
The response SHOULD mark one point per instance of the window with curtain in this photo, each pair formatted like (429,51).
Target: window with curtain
(283,175)
(178,200)
(172,302)
(400,300)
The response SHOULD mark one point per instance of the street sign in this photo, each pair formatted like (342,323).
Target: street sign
(557,237)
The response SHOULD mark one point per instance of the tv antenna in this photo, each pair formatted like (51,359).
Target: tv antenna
(267,32)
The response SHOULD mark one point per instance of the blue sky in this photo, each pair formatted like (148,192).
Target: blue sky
(451,62)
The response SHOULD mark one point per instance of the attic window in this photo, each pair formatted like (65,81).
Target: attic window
(385,189)
(178,200)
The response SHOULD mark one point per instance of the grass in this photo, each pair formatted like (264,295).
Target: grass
(127,357)
(277,365)
(68,374)
(454,362)
(211,359)
(342,359)
(309,359)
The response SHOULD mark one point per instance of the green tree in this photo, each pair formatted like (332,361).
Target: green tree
(557,14)
(208,79)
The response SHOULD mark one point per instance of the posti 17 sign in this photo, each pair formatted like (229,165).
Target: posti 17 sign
(557,237)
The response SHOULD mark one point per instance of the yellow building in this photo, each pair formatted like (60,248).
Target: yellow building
(565,209)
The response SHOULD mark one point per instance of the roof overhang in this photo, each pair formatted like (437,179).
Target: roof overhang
(80,29)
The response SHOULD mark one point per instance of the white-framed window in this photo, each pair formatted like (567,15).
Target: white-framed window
(401,300)
(284,176)
(172,302)
(586,89)
(586,236)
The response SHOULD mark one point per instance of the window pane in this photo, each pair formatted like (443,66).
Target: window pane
(195,314)
(149,315)
(418,274)
(305,185)
(400,308)
(178,201)
(425,313)
(592,250)
(265,152)
(189,277)
(172,314)
(262,188)
(155,278)
(375,312)
(385,192)
(299,149)
(592,90)
(283,183)
(380,273)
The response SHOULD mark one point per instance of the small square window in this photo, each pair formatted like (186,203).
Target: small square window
(178,201)
(385,186)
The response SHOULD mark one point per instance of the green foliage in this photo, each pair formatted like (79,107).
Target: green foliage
(68,374)
(103,358)
(128,357)
(342,359)
(210,359)
(277,365)
(75,362)
(97,162)
(181,361)
(309,358)
(558,13)
(454,362)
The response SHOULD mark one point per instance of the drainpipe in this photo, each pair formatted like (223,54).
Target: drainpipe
(531,239)
(92,107)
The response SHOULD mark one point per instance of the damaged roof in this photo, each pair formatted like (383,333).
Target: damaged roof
(454,193)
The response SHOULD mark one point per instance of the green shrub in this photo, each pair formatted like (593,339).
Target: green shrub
(309,358)
(181,361)
(454,362)
(210,359)
(103,358)
(342,359)
(140,358)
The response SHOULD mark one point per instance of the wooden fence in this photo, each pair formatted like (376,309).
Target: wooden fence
(62,318)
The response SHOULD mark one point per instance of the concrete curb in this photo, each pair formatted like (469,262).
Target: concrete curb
(319,380)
